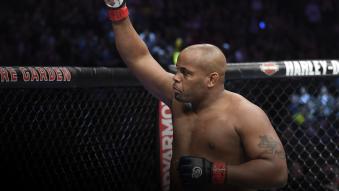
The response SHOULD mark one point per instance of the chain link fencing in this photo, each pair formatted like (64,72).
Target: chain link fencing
(106,139)
(78,139)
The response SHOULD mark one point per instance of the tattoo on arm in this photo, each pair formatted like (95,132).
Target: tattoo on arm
(271,146)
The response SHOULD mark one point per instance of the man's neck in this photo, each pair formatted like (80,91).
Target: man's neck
(209,101)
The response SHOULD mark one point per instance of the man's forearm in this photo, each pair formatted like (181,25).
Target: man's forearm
(259,173)
(128,42)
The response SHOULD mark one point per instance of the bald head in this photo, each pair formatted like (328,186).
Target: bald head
(207,57)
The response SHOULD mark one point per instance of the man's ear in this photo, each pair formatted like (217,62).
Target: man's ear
(213,79)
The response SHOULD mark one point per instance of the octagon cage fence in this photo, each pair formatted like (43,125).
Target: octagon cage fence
(78,128)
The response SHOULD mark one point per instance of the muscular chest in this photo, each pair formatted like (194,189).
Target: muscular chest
(205,135)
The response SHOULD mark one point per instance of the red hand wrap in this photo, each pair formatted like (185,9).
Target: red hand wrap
(219,173)
(118,14)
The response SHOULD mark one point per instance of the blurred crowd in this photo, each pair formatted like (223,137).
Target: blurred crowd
(36,32)
(313,138)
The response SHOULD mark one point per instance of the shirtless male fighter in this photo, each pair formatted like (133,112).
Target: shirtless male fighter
(221,141)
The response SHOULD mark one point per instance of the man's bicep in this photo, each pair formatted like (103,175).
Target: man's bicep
(259,138)
(265,145)
(154,78)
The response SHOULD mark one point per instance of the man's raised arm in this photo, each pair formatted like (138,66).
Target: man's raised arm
(136,55)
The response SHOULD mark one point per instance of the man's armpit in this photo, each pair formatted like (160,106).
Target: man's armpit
(271,146)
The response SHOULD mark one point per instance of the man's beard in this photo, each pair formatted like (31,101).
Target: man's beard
(187,104)
(180,98)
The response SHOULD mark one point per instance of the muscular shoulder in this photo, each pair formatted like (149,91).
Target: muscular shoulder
(247,113)
(246,107)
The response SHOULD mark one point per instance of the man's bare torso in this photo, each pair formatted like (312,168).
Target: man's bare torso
(211,134)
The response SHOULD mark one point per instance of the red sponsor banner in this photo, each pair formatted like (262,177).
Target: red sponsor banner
(166,139)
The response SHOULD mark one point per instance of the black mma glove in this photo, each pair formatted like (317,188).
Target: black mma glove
(117,10)
(197,172)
